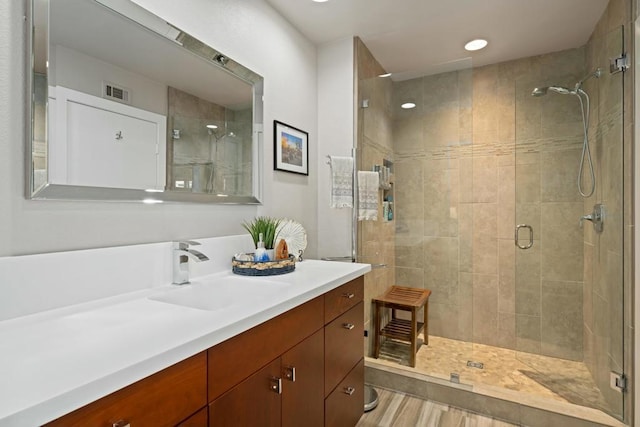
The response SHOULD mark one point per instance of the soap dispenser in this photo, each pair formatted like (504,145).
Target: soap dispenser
(261,253)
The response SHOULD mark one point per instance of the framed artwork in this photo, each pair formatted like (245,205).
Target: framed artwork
(291,149)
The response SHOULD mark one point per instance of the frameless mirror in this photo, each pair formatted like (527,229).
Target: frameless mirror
(126,106)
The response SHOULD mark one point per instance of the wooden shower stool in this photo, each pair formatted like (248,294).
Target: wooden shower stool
(405,299)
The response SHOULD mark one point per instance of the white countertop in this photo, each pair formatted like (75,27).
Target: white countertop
(54,362)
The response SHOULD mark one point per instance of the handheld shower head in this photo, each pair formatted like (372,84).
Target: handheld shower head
(541,91)
(562,90)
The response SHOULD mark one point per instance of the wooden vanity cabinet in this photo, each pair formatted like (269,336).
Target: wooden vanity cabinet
(319,344)
(165,398)
(235,359)
(286,392)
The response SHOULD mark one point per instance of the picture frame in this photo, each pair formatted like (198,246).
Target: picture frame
(290,149)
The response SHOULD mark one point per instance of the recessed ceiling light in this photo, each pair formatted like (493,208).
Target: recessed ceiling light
(476,44)
(212,127)
(385,75)
(408,105)
(320,1)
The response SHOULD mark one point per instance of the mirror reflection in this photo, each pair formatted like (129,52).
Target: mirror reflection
(126,105)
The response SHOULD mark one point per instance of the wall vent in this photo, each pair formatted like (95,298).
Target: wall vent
(116,93)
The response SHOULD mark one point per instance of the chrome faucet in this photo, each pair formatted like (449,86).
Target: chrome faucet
(181,255)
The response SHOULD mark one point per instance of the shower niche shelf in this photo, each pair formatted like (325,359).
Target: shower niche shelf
(386,187)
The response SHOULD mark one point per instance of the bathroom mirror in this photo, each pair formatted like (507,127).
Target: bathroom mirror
(127,107)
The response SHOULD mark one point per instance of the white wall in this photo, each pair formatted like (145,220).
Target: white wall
(84,73)
(336,138)
(249,31)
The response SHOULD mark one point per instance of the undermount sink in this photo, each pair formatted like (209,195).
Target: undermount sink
(221,292)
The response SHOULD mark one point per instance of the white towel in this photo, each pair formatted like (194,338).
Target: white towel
(341,182)
(368,183)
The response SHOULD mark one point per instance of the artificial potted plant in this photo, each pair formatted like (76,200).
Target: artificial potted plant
(266,226)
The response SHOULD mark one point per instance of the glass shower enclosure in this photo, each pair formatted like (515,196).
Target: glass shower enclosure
(569,246)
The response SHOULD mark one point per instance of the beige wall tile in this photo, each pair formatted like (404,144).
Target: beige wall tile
(506,201)
(558,174)
(506,330)
(527,182)
(408,134)
(528,333)
(485,309)
(528,302)
(485,179)
(441,189)
(485,242)
(561,242)
(561,319)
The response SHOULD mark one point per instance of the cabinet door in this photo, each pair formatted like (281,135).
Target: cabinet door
(303,382)
(253,402)
(345,405)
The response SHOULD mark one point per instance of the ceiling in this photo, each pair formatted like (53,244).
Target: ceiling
(412,38)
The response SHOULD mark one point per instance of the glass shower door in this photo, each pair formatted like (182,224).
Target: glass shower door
(569,270)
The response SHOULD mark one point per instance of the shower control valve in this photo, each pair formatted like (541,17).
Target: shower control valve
(596,217)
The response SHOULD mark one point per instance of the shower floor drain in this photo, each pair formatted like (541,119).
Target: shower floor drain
(473,364)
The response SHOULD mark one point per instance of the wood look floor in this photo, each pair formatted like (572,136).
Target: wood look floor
(400,410)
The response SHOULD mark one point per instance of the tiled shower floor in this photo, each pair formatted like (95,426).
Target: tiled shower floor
(546,377)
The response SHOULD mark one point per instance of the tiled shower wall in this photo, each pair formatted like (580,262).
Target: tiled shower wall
(197,153)
(456,169)
(376,242)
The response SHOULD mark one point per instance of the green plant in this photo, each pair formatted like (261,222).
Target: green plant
(265,225)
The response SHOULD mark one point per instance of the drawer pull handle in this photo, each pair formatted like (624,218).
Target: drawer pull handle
(290,373)
(348,326)
(121,423)
(348,295)
(349,390)
(276,385)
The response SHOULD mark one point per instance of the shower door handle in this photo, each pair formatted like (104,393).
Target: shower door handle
(517,237)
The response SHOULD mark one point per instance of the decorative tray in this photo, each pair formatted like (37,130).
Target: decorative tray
(265,268)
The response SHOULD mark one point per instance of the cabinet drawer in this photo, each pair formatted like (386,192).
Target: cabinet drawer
(343,298)
(345,405)
(162,399)
(343,346)
(233,360)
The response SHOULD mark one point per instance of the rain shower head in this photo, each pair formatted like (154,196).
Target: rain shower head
(541,91)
